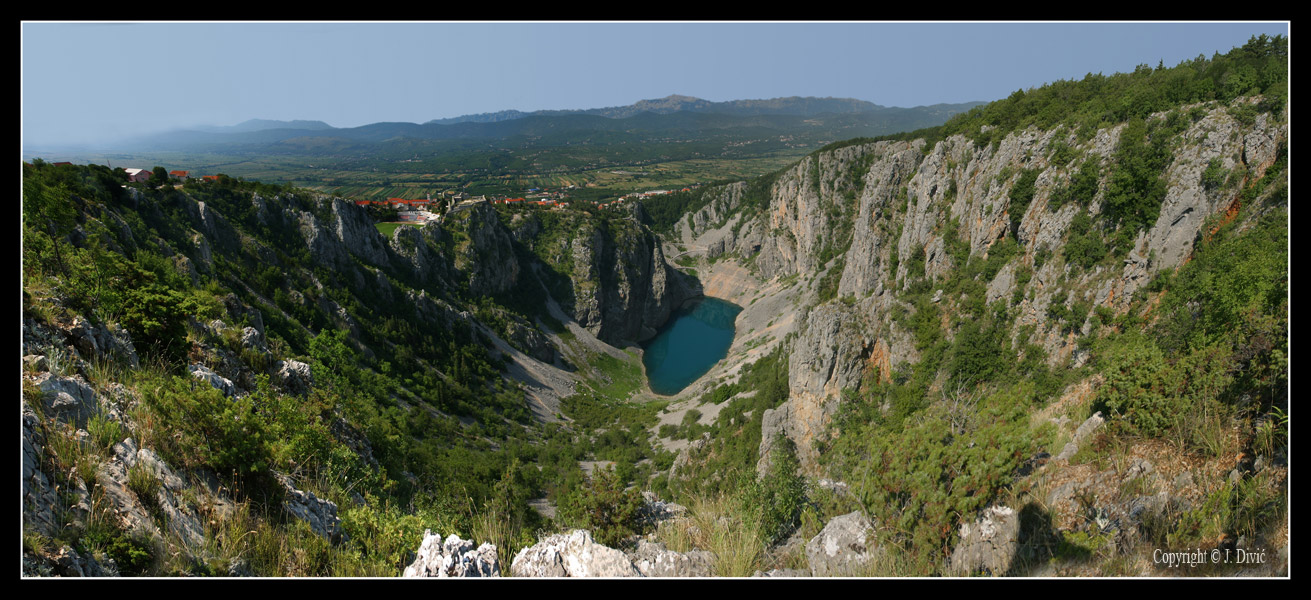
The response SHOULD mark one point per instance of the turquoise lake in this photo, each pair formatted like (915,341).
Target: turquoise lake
(687,346)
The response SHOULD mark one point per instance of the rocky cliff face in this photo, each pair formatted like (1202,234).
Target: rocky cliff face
(619,285)
(905,208)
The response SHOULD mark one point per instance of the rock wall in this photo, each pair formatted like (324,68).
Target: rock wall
(913,197)
(621,285)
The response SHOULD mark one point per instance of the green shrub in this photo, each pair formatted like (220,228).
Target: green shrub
(1214,176)
(773,504)
(1082,187)
(227,435)
(1021,196)
(1084,247)
(1131,391)
(922,479)
(133,554)
(604,507)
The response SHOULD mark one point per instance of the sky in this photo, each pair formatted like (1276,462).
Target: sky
(92,82)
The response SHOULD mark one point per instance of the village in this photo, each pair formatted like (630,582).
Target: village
(426,209)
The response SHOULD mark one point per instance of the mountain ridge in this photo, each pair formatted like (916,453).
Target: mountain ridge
(645,119)
(801,105)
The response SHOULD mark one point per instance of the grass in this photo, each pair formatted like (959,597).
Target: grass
(713,525)
(105,432)
(387,229)
(143,482)
(621,378)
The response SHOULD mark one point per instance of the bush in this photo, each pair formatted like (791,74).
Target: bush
(1021,196)
(605,508)
(1214,176)
(922,479)
(1084,247)
(1130,390)
(773,503)
(133,554)
(1082,187)
(227,435)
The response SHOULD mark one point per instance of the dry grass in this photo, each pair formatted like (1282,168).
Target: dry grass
(712,525)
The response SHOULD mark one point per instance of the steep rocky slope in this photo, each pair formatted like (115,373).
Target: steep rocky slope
(912,205)
(233,298)
(1016,248)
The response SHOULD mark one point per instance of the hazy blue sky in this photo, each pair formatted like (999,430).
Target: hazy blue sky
(82,82)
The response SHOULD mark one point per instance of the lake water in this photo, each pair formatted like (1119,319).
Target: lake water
(690,344)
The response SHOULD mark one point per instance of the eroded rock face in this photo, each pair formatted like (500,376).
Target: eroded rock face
(843,547)
(572,555)
(489,259)
(356,231)
(112,343)
(67,399)
(319,514)
(220,383)
(293,376)
(989,544)
(530,341)
(827,358)
(911,205)
(181,519)
(654,510)
(113,477)
(415,247)
(39,497)
(453,557)
(620,287)
(654,560)
(68,563)
(1081,436)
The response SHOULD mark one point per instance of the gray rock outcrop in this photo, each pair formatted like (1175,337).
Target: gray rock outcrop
(100,341)
(219,382)
(1081,435)
(827,358)
(843,548)
(654,560)
(293,376)
(68,563)
(453,557)
(67,399)
(572,554)
(988,545)
(319,514)
(39,497)
(654,510)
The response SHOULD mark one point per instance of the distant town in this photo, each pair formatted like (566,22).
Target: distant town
(428,208)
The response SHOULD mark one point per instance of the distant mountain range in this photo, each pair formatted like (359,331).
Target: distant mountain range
(262,124)
(682,117)
(793,105)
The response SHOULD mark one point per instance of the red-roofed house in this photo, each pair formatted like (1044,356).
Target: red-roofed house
(178,174)
(210,178)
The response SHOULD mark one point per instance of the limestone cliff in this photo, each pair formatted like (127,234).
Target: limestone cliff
(607,271)
(899,214)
